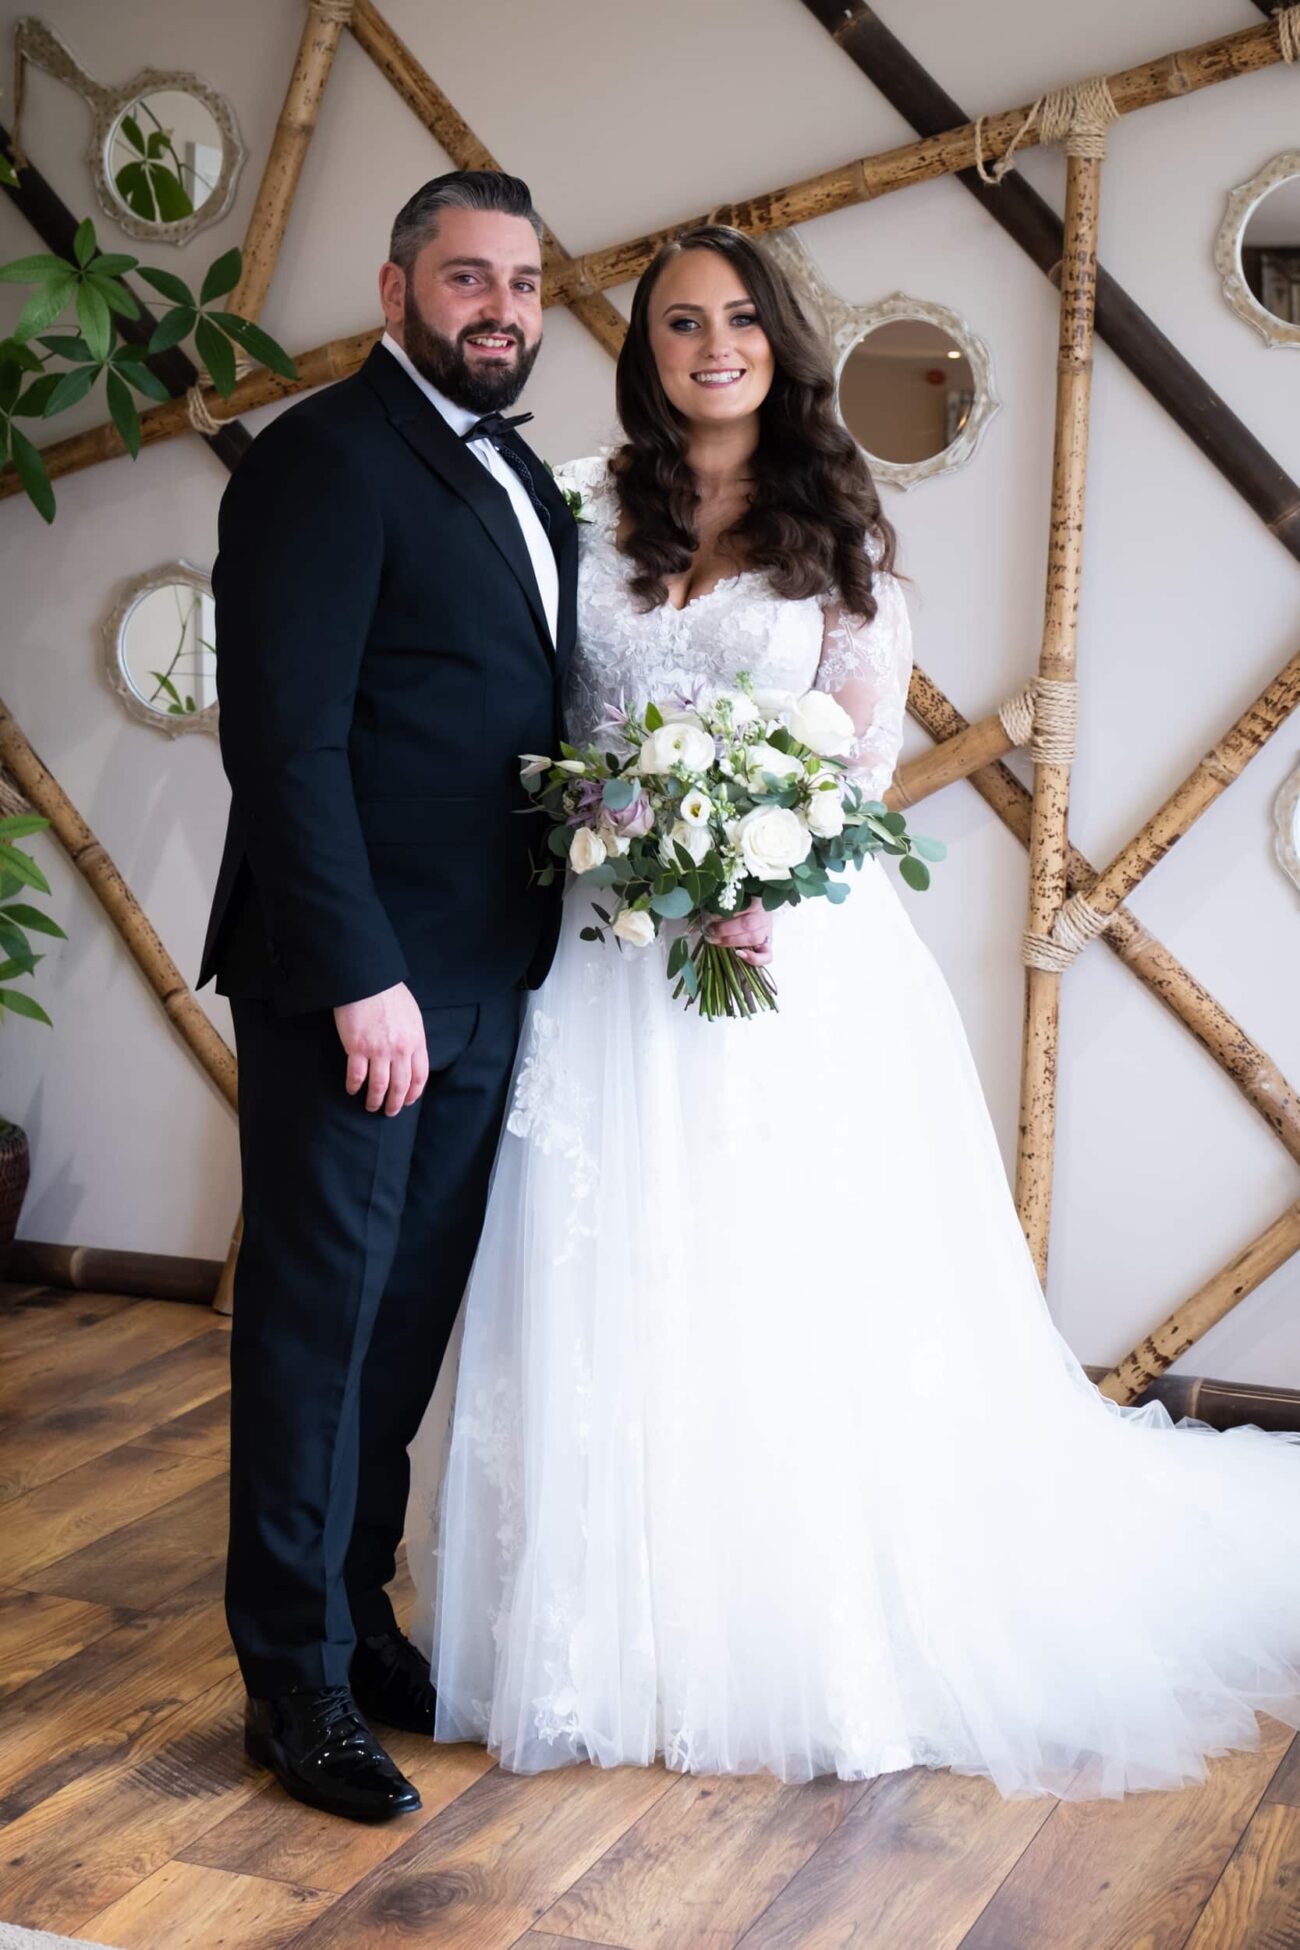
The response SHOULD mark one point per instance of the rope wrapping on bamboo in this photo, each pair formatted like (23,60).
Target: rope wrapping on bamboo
(1074,925)
(1288,32)
(332,12)
(201,417)
(1044,716)
(12,800)
(1077,116)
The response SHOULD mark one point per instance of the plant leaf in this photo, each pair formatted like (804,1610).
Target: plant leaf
(122,407)
(15,942)
(34,918)
(16,826)
(11,379)
(34,401)
(136,191)
(115,295)
(24,866)
(144,380)
(23,1005)
(131,130)
(223,276)
(171,328)
(95,320)
(67,345)
(172,288)
(45,305)
(36,486)
(84,243)
(914,872)
(114,264)
(34,270)
(675,905)
(217,354)
(173,198)
(71,388)
(256,343)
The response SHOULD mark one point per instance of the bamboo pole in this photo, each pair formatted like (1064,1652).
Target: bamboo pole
(1047,833)
(321,33)
(1211,776)
(1163,79)
(336,360)
(1254,1073)
(955,758)
(1243,1273)
(48,798)
(452,133)
(1155,362)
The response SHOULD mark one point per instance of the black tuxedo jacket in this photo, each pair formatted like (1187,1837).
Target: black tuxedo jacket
(382,660)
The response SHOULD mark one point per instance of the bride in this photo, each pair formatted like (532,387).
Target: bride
(766,1453)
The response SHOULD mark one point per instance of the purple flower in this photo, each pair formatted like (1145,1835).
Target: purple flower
(634,820)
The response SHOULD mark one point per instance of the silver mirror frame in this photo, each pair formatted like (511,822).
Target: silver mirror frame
(845,324)
(114,627)
(1242,202)
(34,42)
(1286,807)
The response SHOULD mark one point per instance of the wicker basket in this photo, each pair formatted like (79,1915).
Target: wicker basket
(15,1170)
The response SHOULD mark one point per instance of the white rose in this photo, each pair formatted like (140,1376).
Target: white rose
(775,704)
(614,842)
(532,765)
(587,850)
(766,758)
(696,839)
(824,815)
(681,743)
(820,723)
(634,926)
(696,808)
(772,840)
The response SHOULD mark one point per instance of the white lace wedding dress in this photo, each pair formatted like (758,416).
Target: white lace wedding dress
(766,1453)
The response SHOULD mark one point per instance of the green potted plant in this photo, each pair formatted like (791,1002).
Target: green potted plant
(20,878)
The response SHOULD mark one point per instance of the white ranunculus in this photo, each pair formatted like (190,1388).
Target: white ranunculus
(824,815)
(743,709)
(587,850)
(682,743)
(772,840)
(696,807)
(634,926)
(532,765)
(766,758)
(696,839)
(820,723)
(672,711)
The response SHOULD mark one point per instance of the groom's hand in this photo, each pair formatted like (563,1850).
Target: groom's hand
(384,1039)
(749,933)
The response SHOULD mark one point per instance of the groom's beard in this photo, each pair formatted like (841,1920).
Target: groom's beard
(443,363)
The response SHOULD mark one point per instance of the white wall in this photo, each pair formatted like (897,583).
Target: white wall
(623,118)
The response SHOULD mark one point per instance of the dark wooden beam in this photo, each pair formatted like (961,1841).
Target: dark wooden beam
(55,224)
(1136,341)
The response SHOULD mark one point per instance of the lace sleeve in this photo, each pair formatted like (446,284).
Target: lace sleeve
(867,667)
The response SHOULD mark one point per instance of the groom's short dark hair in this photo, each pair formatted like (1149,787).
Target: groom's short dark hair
(460,189)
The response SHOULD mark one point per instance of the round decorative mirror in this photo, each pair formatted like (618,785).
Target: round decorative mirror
(1258,251)
(1286,822)
(164,152)
(915,382)
(164,155)
(161,649)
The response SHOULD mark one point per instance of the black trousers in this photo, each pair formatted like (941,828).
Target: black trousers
(359,1234)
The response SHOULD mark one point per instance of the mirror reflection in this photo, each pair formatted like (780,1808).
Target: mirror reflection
(164,155)
(167,650)
(1270,251)
(906,390)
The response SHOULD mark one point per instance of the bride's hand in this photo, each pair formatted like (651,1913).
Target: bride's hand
(749,933)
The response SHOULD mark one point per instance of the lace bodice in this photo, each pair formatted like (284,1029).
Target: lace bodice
(626,655)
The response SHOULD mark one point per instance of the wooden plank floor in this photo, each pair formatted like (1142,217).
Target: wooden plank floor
(131,1817)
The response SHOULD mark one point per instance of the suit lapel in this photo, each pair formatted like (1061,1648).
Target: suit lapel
(564,545)
(424,429)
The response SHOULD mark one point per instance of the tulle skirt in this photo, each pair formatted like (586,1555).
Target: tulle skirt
(766,1453)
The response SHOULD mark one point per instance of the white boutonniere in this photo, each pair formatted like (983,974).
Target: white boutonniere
(573,500)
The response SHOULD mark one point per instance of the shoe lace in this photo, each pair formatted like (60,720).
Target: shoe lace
(336,1712)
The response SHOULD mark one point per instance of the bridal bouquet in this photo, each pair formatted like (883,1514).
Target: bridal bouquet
(690,808)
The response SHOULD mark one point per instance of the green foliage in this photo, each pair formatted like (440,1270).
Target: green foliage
(18,918)
(38,385)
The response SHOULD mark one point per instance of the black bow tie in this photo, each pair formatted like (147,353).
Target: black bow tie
(493,426)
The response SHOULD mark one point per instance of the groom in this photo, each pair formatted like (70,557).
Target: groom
(395,594)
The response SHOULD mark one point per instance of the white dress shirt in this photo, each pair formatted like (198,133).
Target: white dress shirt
(459,419)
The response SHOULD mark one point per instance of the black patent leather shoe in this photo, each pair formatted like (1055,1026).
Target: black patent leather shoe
(391,1683)
(322,1752)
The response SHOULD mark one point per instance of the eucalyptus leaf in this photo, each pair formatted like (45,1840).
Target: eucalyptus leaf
(929,849)
(675,905)
(915,873)
(618,794)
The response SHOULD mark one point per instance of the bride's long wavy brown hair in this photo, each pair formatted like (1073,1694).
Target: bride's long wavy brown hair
(814,502)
